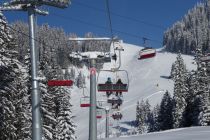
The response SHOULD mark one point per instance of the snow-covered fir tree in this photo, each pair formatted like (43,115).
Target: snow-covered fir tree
(154,124)
(137,113)
(65,128)
(172,71)
(143,116)
(190,115)
(14,114)
(202,92)
(165,116)
(185,34)
(180,91)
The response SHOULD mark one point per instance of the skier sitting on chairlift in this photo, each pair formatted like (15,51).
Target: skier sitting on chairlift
(109,81)
(119,81)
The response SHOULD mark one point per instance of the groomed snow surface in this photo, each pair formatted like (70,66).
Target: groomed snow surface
(147,80)
(194,133)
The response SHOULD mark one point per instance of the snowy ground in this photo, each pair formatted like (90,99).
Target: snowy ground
(147,80)
(194,133)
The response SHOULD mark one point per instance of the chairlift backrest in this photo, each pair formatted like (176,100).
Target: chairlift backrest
(147,53)
(99,114)
(112,88)
(117,116)
(85,102)
(115,101)
(60,83)
(116,86)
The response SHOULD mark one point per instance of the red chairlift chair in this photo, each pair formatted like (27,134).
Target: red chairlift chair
(60,83)
(117,116)
(111,88)
(99,114)
(85,101)
(147,53)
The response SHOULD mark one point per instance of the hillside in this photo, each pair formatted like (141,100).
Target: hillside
(191,31)
(144,76)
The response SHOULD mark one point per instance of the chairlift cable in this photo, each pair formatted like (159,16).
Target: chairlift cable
(109,18)
(110,24)
(157,26)
(101,27)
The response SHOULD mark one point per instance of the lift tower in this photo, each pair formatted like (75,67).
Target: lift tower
(93,58)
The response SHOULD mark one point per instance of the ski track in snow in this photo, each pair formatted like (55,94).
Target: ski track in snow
(159,92)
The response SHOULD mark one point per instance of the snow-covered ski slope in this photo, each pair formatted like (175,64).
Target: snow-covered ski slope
(194,133)
(147,80)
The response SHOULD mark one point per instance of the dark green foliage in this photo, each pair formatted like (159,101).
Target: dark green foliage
(165,116)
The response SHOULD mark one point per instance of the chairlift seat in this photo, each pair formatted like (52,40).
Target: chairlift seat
(60,83)
(85,102)
(147,53)
(115,101)
(98,116)
(117,116)
(112,88)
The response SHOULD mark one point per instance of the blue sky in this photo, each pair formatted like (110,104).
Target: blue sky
(131,19)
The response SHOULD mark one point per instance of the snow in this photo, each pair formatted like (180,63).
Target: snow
(88,55)
(85,39)
(147,80)
(194,133)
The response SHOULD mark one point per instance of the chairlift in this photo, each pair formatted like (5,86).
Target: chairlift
(113,101)
(52,83)
(110,87)
(146,52)
(99,114)
(85,101)
(61,81)
(117,116)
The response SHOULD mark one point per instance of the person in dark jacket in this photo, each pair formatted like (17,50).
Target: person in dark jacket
(119,81)
(109,81)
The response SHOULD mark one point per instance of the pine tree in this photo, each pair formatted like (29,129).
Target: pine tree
(202,89)
(141,120)
(143,116)
(190,32)
(65,126)
(14,115)
(190,115)
(137,113)
(172,71)
(156,125)
(180,91)
(165,117)
(47,96)
(204,115)
(24,114)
